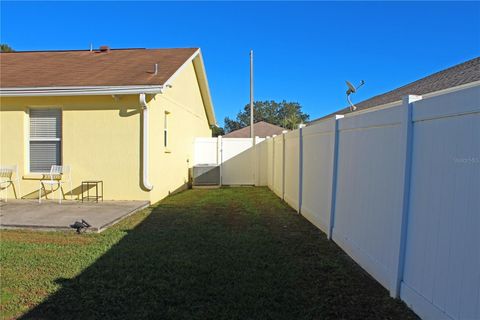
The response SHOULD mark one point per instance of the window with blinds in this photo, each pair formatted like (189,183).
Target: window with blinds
(45,139)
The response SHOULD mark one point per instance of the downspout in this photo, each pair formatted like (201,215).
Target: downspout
(143,103)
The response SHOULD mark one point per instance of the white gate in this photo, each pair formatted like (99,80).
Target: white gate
(236,157)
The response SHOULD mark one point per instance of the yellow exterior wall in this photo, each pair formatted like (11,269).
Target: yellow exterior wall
(185,121)
(101,139)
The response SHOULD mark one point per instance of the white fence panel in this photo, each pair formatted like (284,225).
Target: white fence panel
(278,165)
(206,151)
(318,144)
(261,166)
(442,261)
(369,192)
(240,163)
(237,161)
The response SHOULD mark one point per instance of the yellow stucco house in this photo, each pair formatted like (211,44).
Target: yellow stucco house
(127,117)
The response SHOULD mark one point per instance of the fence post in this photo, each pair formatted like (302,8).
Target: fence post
(283,164)
(402,221)
(300,168)
(256,159)
(273,162)
(334,177)
(220,155)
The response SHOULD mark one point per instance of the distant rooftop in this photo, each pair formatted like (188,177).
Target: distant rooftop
(457,75)
(261,129)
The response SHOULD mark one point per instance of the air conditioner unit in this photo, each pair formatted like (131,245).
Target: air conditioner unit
(206,175)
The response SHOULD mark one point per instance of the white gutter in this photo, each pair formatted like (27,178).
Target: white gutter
(146,184)
(80,91)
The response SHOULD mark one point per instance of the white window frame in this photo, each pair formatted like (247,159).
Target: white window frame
(165,131)
(29,139)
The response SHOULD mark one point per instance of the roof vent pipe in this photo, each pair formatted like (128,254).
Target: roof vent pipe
(156,69)
(145,155)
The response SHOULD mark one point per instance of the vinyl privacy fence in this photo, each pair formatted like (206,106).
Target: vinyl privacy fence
(398,189)
(240,164)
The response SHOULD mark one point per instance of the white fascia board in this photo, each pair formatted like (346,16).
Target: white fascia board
(197,60)
(80,91)
(179,70)
(204,87)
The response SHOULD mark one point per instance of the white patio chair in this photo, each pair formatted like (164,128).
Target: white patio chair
(58,176)
(9,177)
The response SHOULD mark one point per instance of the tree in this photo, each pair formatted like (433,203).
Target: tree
(231,125)
(285,114)
(5,48)
(217,131)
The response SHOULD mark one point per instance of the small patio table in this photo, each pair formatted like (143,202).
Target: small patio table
(94,183)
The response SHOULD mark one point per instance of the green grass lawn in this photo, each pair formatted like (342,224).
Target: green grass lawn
(230,253)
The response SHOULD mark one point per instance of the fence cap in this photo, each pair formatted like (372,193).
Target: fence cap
(411,98)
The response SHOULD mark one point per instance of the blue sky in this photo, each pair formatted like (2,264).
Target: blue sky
(303,50)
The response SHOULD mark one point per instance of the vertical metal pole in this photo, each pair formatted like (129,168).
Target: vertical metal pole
(252,134)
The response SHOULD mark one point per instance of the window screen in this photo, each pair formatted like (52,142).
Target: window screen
(45,139)
(165,130)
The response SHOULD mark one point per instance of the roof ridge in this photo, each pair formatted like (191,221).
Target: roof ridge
(453,76)
(423,78)
(96,49)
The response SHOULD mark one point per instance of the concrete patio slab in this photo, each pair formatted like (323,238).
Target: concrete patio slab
(51,215)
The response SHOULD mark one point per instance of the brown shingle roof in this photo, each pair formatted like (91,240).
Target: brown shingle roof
(261,129)
(120,67)
(459,74)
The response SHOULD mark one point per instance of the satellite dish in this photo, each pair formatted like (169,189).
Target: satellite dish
(352,89)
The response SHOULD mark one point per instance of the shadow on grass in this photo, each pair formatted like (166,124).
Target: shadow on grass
(221,254)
